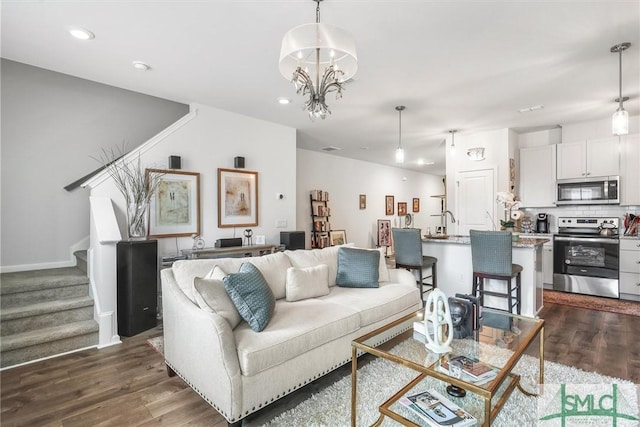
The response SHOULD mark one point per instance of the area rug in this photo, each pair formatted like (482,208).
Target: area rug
(630,308)
(380,379)
(157,343)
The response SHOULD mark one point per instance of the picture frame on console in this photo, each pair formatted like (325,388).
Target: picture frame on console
(337,237)
(237,198)
(384,233)
(174,208)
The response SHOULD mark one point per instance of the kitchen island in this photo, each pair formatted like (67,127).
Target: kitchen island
(455,271)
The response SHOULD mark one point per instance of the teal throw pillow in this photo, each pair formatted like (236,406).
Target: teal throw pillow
(251,295)
(358,268)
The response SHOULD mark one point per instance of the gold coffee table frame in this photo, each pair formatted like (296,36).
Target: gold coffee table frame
(486,391)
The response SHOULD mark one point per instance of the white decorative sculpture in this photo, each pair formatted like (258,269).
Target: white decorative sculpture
(437,312)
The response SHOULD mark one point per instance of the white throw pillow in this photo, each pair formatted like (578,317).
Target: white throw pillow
(310,282)
(383,271)
(211,296)
(216,273)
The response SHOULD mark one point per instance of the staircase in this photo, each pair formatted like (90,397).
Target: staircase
(45,312)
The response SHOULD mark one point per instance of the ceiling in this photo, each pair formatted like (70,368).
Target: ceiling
(466,65)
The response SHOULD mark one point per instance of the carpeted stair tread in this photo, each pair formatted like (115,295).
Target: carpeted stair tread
(45,308)
(25,281)
(45,335)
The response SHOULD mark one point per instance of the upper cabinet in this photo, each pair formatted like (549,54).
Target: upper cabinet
(598,157)
(629,170)
(538,176)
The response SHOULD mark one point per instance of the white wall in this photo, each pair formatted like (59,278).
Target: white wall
(497,144)
(345,179)
(52,124)
(210,141)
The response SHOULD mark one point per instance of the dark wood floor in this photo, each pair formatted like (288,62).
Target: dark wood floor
(127,384)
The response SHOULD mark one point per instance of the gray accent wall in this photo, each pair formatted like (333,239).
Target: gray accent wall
(52,126)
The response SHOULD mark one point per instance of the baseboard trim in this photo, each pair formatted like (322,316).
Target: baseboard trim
(42,266)
(46,358)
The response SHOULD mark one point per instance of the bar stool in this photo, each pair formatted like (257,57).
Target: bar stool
(408,252)
(491,254)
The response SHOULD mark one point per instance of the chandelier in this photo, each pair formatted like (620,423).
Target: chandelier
(620,119)
(318,59)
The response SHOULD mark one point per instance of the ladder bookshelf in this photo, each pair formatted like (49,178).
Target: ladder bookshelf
(320,214)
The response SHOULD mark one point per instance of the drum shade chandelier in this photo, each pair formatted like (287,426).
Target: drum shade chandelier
(620,119)
(318,59)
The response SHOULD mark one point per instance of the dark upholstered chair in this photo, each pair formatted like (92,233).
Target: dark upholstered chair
(491,255)
(408,252)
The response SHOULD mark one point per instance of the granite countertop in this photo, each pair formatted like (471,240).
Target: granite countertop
(523,242)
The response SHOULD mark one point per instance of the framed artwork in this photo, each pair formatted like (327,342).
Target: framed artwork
(237,198)
(416,204)
(363,201)
(402,208)
(174,209)
(337,237)
(388,201)
(384,232)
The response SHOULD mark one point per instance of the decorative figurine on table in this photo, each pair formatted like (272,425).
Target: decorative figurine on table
(198,242)
(437,312)
(248,234)
(460,318)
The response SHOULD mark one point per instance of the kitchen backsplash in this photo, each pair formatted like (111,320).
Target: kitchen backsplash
(583,211)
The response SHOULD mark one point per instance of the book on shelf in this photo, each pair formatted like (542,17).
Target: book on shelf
(320,196)
(437,411)
(472,370)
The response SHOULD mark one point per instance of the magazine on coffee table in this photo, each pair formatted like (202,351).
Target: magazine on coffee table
(472,370)
(437,411)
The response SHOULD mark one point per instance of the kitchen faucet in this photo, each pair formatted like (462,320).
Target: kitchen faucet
(453,219)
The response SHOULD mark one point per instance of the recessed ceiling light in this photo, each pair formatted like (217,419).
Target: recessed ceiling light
(139,65)
(529,109)
(284,101)
(81,33)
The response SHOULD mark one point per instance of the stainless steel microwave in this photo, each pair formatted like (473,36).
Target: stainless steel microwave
(602,190)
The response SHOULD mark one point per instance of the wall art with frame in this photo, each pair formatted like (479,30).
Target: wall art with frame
(389,205)
(337,237)
(416,205)
(237,198)
(402,208)
(363,201)
(174,209)
(384,232)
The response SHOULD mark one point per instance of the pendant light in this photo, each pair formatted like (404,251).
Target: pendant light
(620,119)
(399,150)
(453,142)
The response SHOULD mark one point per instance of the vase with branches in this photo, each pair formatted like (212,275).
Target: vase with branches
(136,187)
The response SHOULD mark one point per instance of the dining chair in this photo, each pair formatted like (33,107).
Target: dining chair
(491,256)
(408,253)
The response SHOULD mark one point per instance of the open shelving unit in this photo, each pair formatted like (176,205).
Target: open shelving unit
(320,214)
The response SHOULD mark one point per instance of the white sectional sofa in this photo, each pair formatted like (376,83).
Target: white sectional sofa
(239,371)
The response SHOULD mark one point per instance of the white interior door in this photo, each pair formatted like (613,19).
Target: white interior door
(475,199)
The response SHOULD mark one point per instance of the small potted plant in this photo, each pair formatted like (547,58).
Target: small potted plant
(509,202)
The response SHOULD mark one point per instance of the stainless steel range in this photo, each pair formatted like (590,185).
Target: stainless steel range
(586,256)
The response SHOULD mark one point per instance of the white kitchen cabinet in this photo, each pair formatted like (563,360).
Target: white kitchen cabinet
(630,170)
(547,263)
(538,176)
(630,269)
(584,159)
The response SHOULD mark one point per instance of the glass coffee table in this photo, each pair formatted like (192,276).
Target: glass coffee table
(499,343)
